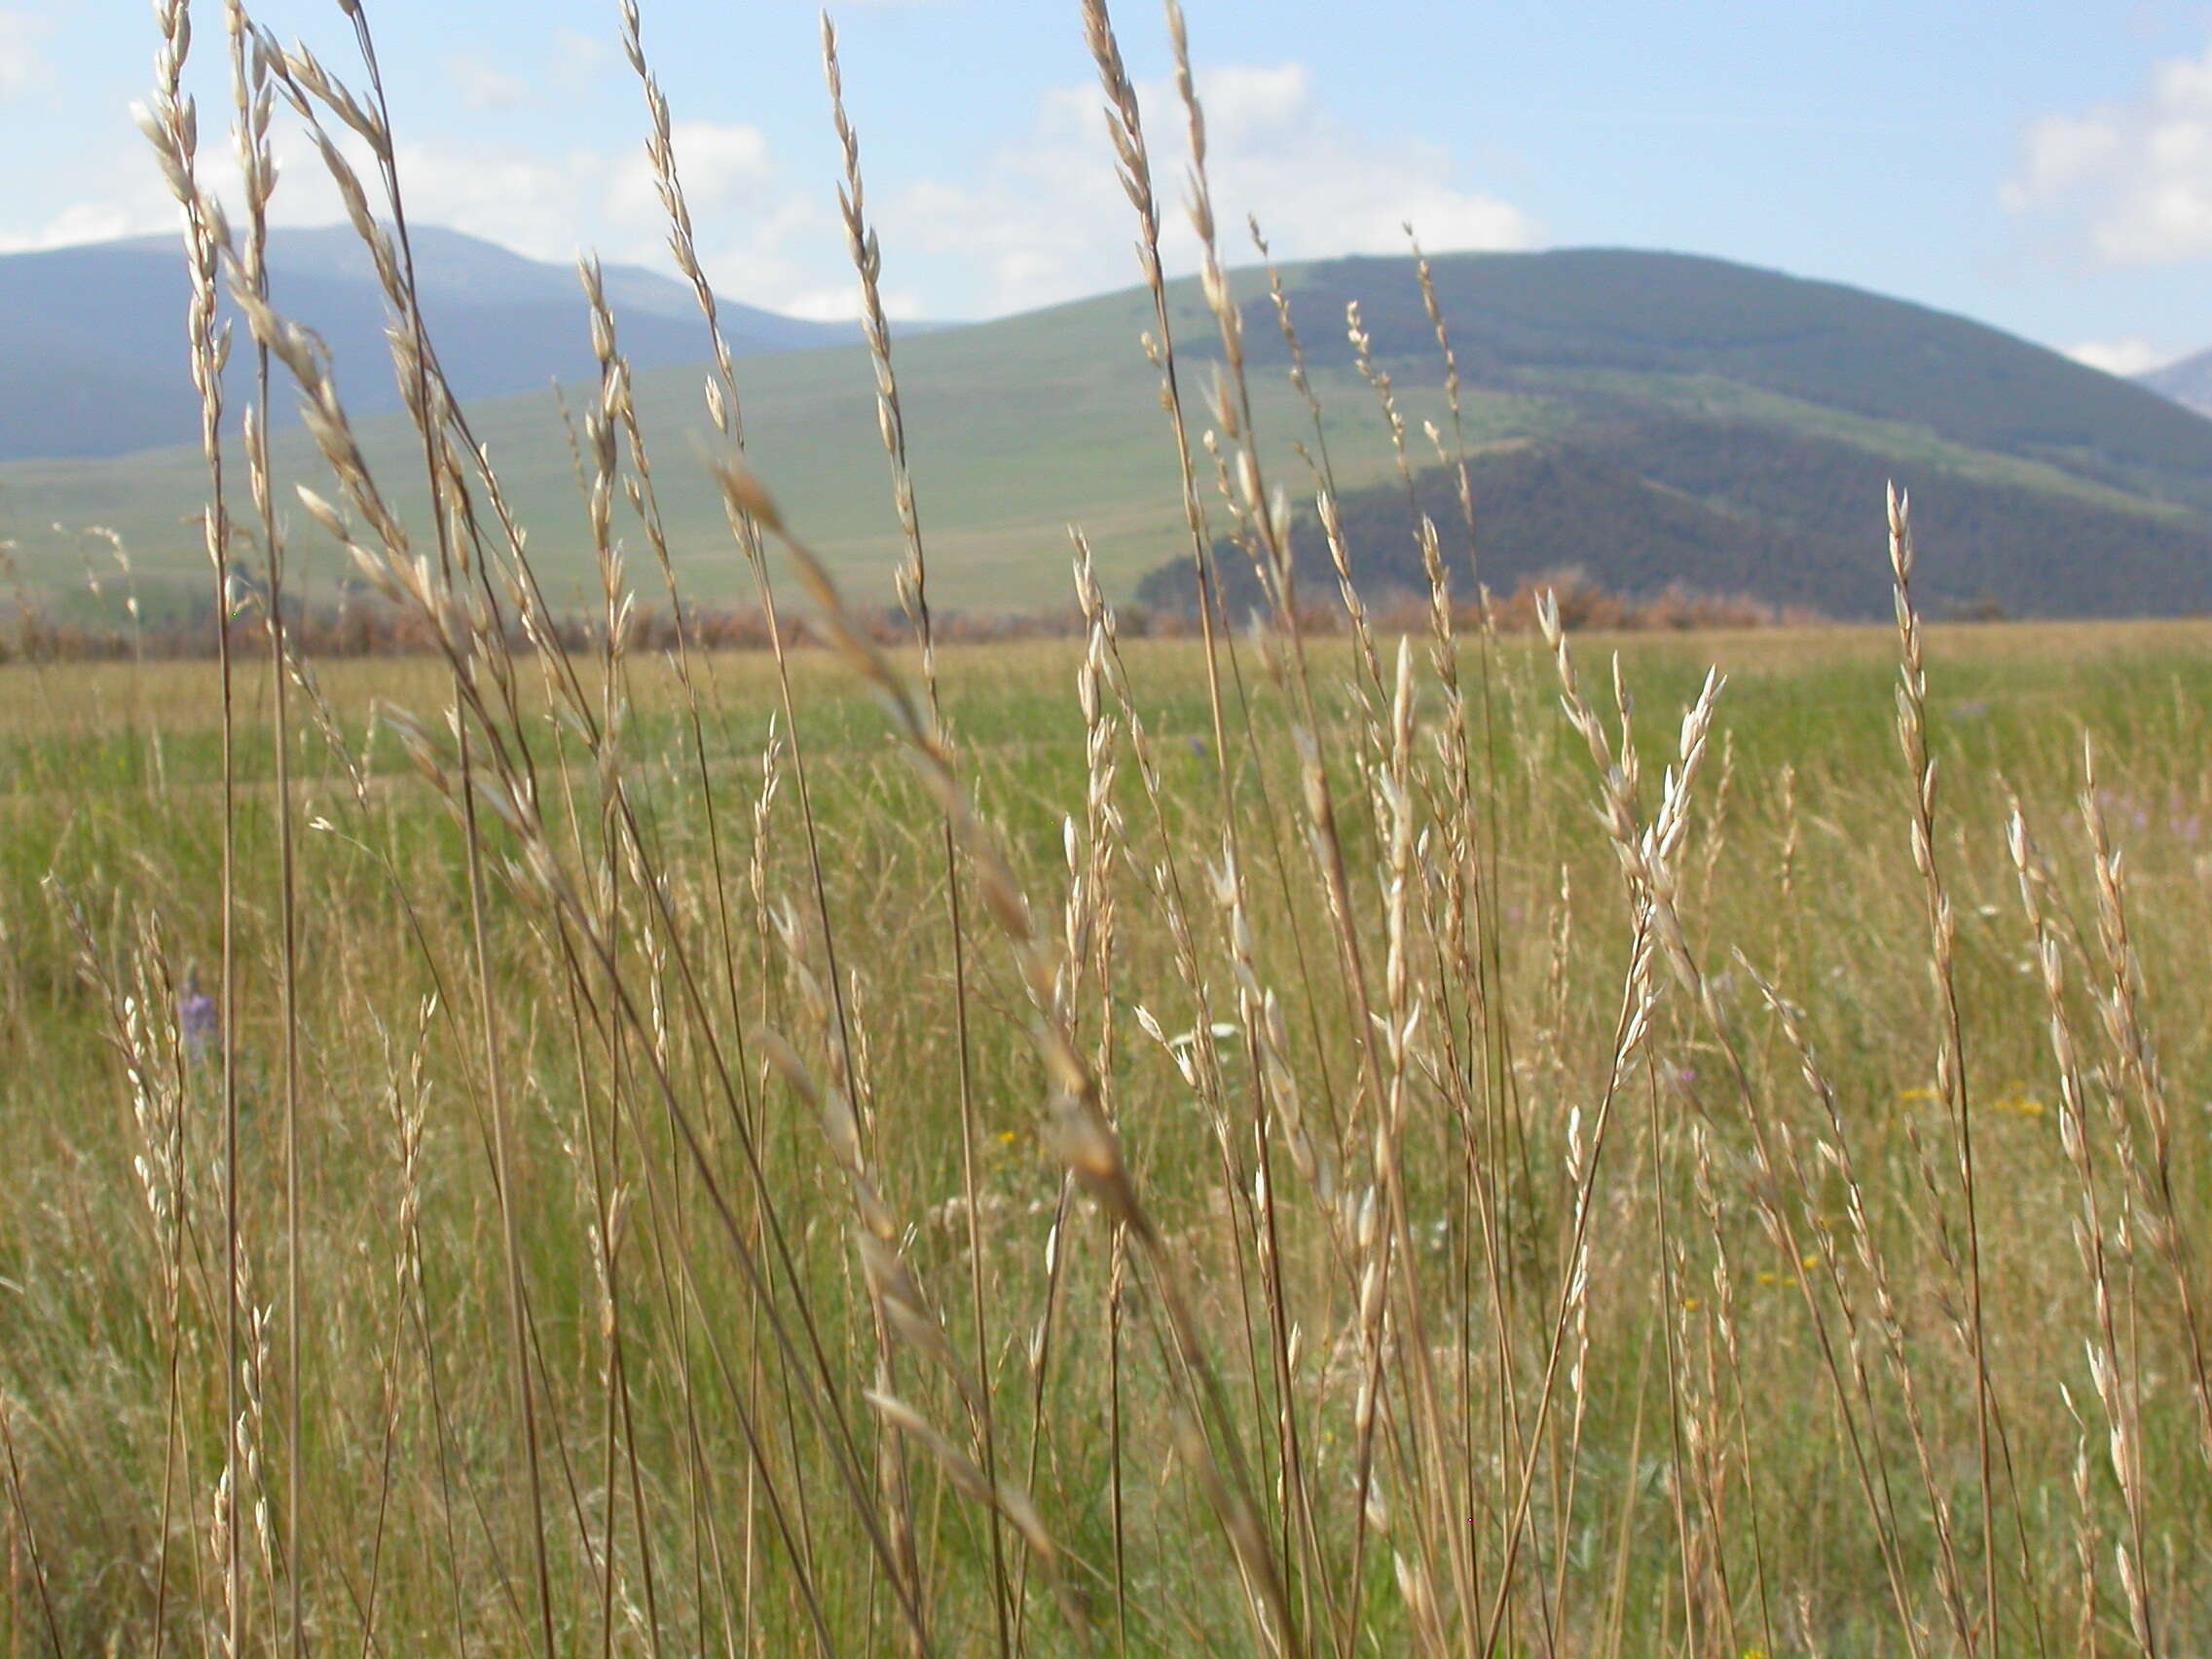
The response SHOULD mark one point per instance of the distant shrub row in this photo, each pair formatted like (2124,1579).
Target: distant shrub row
(377,630)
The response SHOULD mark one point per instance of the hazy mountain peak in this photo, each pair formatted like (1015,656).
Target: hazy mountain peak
(2188,382)
(92,337)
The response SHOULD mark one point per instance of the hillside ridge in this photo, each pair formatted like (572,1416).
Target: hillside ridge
(2187,383)
(1022,425)
(94,336)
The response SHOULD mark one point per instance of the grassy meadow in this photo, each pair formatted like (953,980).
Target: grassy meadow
(1689,1477)
(1403,1138)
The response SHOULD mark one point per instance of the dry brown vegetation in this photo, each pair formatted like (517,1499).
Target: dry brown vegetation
(374,629)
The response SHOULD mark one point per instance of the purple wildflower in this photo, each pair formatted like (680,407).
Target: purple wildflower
(197,1019)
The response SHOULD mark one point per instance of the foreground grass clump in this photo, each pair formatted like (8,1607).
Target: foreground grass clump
(1259,1144)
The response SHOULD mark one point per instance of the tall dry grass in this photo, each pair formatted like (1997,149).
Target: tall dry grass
(1306,1151)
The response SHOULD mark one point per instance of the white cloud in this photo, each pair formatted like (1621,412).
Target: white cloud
(21,64)
(2121,357)
(483,84)
(1042,219)
(840,302)
(760,241)
(1047,220)
(2126,183)
(130,199)
(754,232)
(723,166)
(578,58)
(87,222)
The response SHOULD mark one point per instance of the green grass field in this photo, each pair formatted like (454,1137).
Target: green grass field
(1693,1481)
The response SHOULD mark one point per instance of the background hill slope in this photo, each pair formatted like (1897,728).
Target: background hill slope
(1688,421)
(92,338)
(2187,383)
(1587,316)
(1652,500)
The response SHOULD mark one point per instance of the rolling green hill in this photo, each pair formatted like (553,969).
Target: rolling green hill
(1568,317)
(1686,419)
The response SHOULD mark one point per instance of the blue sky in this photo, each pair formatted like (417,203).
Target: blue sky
(2044,165)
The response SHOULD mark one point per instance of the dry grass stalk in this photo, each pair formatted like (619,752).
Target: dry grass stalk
(2119,1392)
(2121,1012)
(1950,1058)
(914,594)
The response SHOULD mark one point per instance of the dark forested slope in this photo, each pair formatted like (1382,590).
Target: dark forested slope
(1641,500)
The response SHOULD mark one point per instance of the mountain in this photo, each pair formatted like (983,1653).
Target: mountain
(1658,418)
(1587,317)
(2188,382)
(1638,500)
(92,339)
(1733,430)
